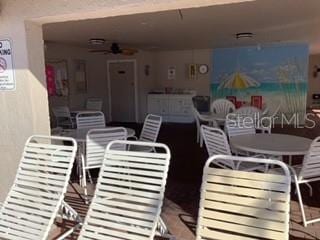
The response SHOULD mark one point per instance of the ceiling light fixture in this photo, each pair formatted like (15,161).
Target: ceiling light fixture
(97,41)
(244,35)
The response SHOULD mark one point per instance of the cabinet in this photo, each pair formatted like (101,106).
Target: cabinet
(172,107)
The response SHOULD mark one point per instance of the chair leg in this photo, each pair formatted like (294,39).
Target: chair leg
(90,177)
(84,180)
(300,202)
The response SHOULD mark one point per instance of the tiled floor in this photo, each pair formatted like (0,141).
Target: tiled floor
(183,185)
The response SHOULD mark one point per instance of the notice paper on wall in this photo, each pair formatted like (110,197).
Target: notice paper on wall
(7,78)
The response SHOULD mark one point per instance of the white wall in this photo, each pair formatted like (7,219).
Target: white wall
(97,76)
(180,59)
(95,73)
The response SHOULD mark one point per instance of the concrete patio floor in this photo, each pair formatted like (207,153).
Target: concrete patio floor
(184,180)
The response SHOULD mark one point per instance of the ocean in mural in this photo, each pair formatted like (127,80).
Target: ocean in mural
(277,74)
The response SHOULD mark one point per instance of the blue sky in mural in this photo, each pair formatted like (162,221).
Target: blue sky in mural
(260,63)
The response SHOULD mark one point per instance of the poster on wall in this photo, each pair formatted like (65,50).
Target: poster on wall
(265,76)
(7,78)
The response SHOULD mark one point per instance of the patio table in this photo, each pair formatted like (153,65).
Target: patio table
(271,144)
(209,117)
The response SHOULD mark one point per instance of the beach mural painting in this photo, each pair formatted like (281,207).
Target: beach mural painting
(263,76)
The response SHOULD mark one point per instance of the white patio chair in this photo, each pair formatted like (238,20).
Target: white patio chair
(236,125)
(217,143)
(94,104)
(243,205)
(90,120)
(129,194)
(149,133)
(96,143)
(63,117)
(37,194)
(200,119)
(222,106)
(307,173)
(248,111)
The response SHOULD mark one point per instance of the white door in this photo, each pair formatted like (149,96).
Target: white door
(122,91)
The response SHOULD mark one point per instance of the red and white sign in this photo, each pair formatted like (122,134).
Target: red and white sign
(7,79)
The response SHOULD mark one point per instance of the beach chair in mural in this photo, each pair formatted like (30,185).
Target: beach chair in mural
(35,200)
(242,205)
(129,194)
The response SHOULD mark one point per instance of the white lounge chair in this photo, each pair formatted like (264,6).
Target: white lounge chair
(63,117)
(90,120)
(306,173)
(201,119)
(149,133)
(37,194)
(96,143)
(242,205)
(94,104)
(129,194)
(217,143)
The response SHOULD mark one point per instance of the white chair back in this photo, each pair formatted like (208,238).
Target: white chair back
(236,125)
(94,104)
(222,106)
(61,112)
(90,120)
(151,128)
(129,194)
(97,141)
(249,111)
(244,205)
(216,143)
(38,190)
(310,170)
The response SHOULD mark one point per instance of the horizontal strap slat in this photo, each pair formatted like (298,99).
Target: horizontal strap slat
(250,211)
(253,175)
(248,183)
(264,194)
(246,230)
(249,221)
(247,201)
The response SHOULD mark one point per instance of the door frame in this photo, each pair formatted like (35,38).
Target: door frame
(136,107)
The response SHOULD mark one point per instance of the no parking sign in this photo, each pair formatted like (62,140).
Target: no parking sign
(7,80)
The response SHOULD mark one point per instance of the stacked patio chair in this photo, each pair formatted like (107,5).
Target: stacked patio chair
(306,173)
(243,205)
(129,194)
(37,194)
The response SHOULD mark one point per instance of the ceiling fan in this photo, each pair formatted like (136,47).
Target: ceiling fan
(115,49)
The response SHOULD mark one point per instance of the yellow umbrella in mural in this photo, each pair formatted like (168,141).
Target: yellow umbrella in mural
(238,80)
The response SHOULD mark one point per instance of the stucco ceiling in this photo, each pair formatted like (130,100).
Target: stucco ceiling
(206,27)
